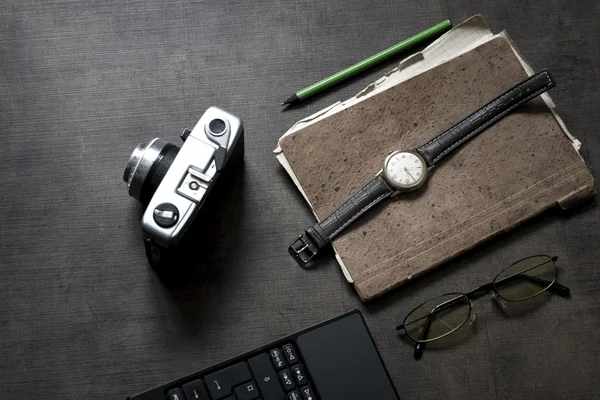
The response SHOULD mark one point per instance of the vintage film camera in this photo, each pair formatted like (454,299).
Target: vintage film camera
(174,183)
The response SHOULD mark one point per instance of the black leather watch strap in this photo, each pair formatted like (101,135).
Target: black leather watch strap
(319,235)
(487,115)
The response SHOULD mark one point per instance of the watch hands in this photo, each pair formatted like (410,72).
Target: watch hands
(409,174)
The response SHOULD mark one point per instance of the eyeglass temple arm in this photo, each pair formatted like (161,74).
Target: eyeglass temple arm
(555,287)
(419,346)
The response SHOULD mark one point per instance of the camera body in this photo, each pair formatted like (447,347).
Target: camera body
(175,183)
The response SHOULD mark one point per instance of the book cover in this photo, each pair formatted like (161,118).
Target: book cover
(514,170)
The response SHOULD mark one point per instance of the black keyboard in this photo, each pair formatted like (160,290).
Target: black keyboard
(335,360)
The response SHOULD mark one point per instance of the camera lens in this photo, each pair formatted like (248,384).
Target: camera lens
(217,126)
(147,167)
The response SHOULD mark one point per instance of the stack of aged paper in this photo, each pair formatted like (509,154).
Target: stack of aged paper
(514,170)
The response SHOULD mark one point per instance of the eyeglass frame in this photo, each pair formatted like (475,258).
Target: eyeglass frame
(553,287)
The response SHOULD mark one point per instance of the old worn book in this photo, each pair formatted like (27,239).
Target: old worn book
(514,170)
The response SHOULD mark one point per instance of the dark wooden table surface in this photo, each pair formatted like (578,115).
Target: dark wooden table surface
(82,83)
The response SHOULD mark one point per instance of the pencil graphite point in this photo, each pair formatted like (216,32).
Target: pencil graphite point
(291,100)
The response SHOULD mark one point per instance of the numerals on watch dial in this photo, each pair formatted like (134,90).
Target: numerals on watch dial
(405,170)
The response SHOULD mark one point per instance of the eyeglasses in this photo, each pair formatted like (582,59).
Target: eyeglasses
(444,315)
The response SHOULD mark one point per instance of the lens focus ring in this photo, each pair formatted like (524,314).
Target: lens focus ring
(139,165)
(134,162)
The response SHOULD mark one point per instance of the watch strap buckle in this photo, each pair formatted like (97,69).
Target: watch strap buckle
(303,250)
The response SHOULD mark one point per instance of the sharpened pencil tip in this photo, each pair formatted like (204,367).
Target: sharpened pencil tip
(291,100)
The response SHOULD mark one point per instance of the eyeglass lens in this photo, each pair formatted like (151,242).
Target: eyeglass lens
(437,318)
(526,278)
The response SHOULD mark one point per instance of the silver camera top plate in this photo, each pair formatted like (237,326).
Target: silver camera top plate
(192,175)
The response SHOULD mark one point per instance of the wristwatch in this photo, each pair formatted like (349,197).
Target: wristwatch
(407,170)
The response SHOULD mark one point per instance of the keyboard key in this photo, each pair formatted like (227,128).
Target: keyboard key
(277,358)
(299,375)
(290,353)
(220,384)
(266,377)
(294,395)
(286,379)
(174,394)
(195,390)
(307,393)
(247,391)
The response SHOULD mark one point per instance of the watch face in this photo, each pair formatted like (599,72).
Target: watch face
(405,170)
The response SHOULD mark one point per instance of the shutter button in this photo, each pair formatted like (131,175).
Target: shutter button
(184,134)
(166,215)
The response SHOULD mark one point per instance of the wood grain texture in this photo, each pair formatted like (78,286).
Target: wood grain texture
(82,83)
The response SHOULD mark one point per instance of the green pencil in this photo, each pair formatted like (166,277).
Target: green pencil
(375,59)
